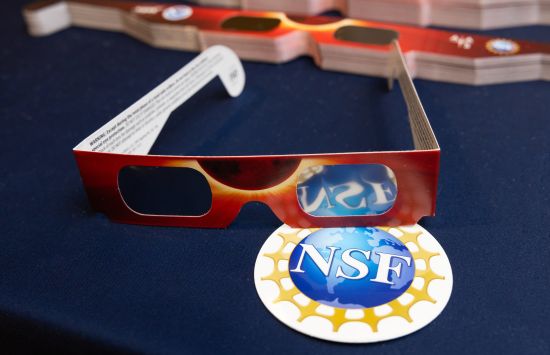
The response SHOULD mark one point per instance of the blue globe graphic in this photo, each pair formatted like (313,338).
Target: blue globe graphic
(345,292)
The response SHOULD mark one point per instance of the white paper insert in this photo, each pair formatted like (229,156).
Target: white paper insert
(135,130)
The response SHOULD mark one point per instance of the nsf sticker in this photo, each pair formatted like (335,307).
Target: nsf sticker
(177,13)
(354,285)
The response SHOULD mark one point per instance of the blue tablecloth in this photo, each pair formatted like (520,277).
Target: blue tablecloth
(72,280)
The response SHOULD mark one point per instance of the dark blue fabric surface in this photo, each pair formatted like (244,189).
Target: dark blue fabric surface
(70,279)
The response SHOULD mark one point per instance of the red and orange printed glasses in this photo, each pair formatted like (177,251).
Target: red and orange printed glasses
(321,190)
(334,43)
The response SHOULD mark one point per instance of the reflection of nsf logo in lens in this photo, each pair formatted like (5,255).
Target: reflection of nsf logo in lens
(347,190)
(351,268)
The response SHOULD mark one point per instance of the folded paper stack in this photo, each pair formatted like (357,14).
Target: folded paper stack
(474,14)
(345,45)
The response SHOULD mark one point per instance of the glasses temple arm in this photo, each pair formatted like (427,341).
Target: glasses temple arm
(135,130)
(422,132)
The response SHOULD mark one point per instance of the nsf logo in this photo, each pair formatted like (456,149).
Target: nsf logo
(353,285)
(177,13)
(502,46)
(352,268)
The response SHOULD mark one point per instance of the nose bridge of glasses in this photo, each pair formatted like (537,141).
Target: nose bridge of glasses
(252,173)
(310,36)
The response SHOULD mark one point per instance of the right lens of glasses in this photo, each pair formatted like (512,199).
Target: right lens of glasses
(167,191)
(366,35)
(346,190)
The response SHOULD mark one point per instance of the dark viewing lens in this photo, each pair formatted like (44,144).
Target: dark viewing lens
(165,190)
(346,190)
(248,23)
(366,35)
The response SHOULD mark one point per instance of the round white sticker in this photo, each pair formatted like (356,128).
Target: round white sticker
(177,13)
(354,285)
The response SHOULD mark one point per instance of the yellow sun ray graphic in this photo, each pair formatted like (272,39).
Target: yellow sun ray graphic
(397,308)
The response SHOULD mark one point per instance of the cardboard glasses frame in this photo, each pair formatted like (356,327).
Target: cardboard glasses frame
(126,140)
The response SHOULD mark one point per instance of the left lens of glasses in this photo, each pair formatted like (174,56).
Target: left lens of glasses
(168,191)
(249,23)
